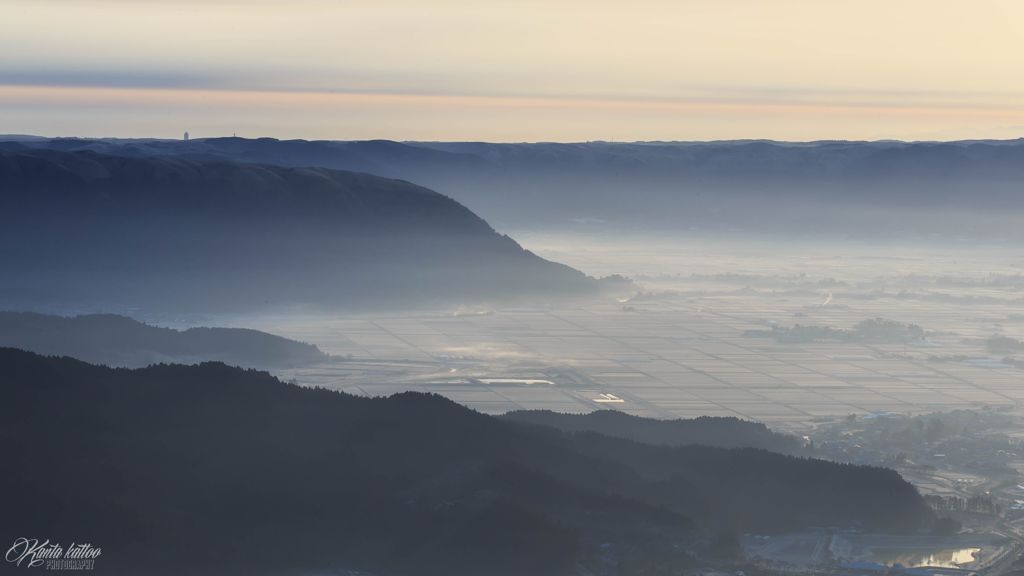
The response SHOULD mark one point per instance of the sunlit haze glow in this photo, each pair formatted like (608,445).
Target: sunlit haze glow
(513,70)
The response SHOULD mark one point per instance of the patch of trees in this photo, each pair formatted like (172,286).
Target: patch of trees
(946,526)
(870,331)
(977,504)
(1004,345)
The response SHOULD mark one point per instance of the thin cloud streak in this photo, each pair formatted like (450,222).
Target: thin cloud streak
(158,112)
(27,94)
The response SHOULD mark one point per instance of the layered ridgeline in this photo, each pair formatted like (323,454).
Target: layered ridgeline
(228,471)
(80,228)
(115,340)
(967,189)
(723,432)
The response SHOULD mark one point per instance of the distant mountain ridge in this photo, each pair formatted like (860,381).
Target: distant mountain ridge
(966,189)
(706,430)
(116,341)
(163,466)
(166,231)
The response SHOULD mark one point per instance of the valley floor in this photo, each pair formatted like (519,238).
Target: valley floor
(693,340)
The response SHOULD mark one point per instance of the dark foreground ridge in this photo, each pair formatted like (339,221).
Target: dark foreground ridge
(722,432)
(210,469)
(179,234)
(116,340)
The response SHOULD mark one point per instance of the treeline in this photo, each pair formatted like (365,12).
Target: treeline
(870,331)
(1004,345)
(121,341)
(975,504)
(723,432)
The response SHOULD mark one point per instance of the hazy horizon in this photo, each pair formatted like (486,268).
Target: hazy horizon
(13,136)
(513,71)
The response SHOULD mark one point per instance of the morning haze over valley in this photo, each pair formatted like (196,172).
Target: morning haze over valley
(512,288)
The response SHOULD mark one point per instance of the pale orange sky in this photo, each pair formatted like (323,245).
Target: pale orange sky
(514,70)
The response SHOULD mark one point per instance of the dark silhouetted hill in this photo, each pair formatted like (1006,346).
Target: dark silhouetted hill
(82,227)
(121,341)
(958,190)
(209,469)
(706,430)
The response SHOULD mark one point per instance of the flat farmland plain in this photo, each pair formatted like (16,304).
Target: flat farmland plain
(696,336)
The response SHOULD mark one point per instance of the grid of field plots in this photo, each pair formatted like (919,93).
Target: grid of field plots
(664,363)
(684,347)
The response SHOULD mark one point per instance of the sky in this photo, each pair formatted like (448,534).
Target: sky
(523,70)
